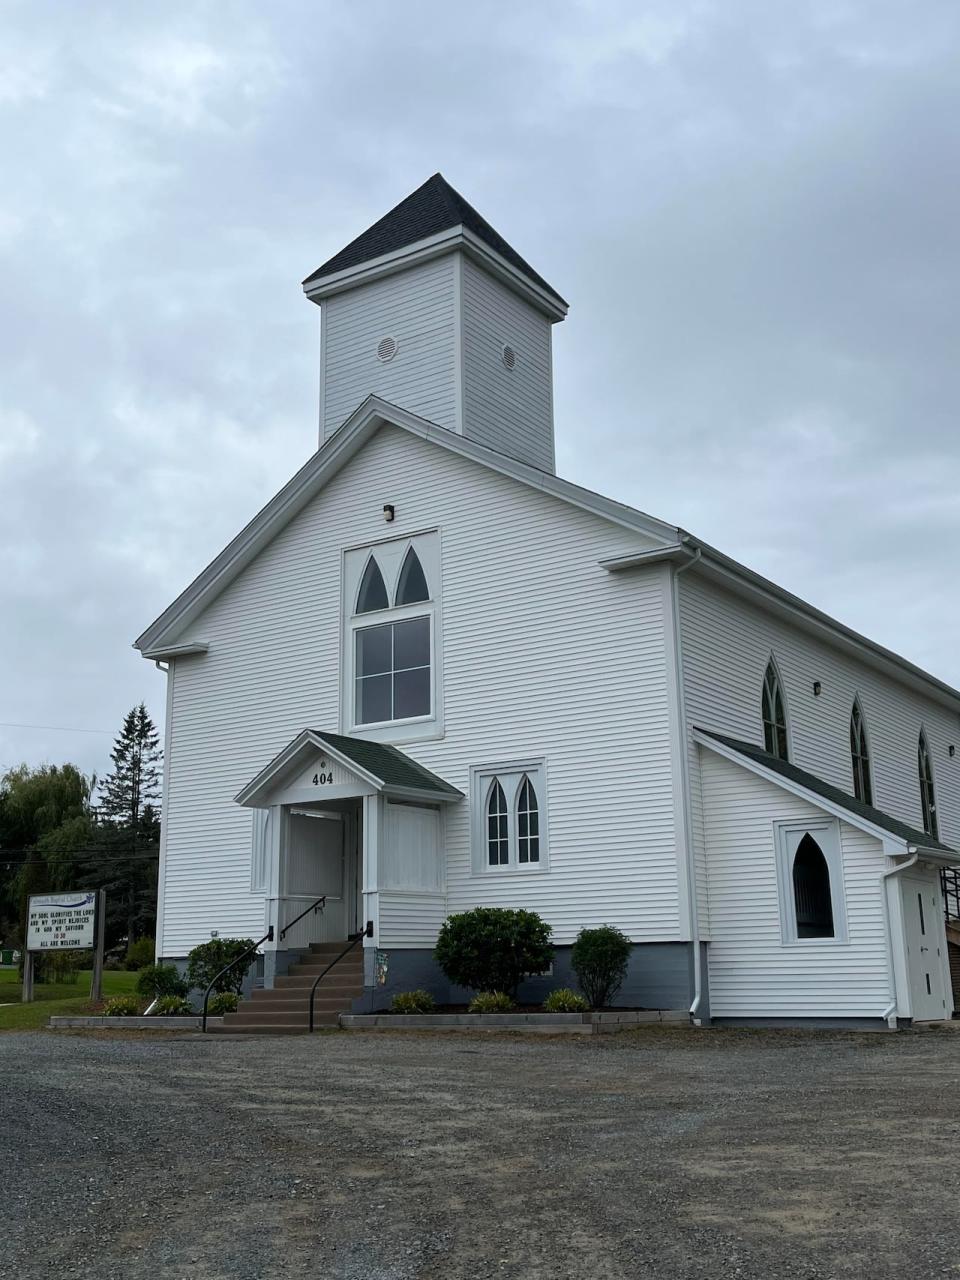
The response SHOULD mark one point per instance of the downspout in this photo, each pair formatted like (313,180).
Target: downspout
(685,786)
(889,1014)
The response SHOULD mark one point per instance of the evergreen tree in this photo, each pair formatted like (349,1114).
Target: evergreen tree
(130,823)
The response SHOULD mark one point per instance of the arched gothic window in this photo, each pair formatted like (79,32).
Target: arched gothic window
(859,756)
(498,839)
(774,718)
(811,891)
(412,584)
(528,823)
(927,799)
(373,592)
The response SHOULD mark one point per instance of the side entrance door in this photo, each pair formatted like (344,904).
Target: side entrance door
(925,944)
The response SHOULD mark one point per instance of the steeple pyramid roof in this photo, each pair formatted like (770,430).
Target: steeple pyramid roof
(432,208)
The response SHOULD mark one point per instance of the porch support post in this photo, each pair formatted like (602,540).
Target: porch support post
(372,812)
(274,890)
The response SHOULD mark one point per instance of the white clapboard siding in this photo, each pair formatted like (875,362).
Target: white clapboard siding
(545,656)
(417,309)
(727,643)
(409,919)
(510,410)
(751,973)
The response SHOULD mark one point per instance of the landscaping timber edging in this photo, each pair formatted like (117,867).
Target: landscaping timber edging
(139,1023)
(546,1023)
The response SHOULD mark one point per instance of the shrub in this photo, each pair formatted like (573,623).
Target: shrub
(225,1002)
(160,980)
(171,1007)
(122,1007)
(62,966)
(599,958)
(493,948)
(205,962)
(413,1002)
(563,1000)
(491,1002)
(140,953)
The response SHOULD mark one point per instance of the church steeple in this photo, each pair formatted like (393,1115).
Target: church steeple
(432,309)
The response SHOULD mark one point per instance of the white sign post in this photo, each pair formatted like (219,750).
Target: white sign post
(62,922)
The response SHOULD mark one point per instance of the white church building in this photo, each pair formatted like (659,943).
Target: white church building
(431,674)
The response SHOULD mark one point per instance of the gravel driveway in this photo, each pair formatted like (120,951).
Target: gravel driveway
(668,1153)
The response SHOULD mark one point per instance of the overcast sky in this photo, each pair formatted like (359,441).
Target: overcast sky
(753,209)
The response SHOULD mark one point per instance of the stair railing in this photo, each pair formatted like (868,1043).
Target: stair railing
(354,938)
(314,907)
(267,937)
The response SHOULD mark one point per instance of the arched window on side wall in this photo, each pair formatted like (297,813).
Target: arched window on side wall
(373,591)
(412,585)
(811,891)
(498,838)
(774,717)
(859,757)
(928,801)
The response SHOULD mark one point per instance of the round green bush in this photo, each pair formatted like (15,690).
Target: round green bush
(160,980)
(413,1002)
(563,1000)
(225,1002)
(206,961)
(122,1007)
(491,1002)
(140,953)
(493,948)
(171,1007)
(599,958)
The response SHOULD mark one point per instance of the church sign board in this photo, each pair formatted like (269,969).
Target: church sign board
(59,920)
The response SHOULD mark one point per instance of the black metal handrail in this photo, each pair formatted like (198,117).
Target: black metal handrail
(314,906)
(354,938)
(267,937)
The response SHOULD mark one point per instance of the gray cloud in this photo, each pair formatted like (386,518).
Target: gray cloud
(751,207)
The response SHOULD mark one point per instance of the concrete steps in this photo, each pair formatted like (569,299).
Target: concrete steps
(285,1008)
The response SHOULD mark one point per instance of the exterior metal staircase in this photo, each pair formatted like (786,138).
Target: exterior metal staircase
(285,1009)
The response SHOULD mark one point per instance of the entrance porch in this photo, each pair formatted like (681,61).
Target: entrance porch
(351,845)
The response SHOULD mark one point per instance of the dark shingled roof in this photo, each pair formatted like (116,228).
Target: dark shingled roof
(809,780)
(432,208)
(392,767)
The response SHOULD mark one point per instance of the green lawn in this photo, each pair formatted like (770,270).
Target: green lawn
(54,997)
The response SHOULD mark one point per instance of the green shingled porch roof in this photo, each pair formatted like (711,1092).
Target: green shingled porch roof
(390,766)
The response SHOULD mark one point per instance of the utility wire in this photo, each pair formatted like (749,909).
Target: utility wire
(54,728)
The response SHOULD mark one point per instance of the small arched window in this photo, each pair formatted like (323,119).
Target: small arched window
(774,718)
(811,891)
(498,839)
(859,756)
(373,592)
(412,584)
(528,823)
(927,799)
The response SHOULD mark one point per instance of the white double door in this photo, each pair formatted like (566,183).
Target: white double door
(321,861)
(925,942)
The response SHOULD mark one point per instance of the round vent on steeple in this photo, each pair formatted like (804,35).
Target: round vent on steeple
(509,357)
(387,349)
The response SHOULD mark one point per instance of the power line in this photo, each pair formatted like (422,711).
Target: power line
(53,728)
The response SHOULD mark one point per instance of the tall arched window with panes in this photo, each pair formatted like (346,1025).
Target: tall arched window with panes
(860,756)
(928,801)
(773,713)
(509,817)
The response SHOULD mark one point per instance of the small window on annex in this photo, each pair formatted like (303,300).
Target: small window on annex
(509,817)
(810,872)
(390,637)
(774,717)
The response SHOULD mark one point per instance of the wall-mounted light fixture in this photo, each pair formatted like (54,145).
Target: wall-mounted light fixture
(952,750)
(816,688)
(389,511)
